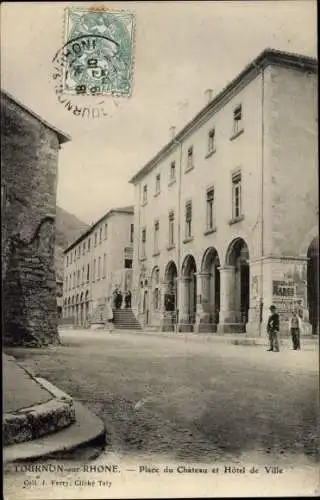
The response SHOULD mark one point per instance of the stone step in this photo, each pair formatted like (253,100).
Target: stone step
(39,420)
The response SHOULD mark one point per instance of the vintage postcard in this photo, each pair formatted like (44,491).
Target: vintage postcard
(160,249)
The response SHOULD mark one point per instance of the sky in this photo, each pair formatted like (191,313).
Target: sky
(181,49)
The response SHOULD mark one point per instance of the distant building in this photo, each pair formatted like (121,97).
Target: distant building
(226,214)
(95,264)
(29,158)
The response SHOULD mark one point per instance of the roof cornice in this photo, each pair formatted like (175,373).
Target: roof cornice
(265,58)
(61,135)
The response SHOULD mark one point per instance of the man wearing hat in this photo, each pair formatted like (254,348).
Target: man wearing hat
(273,327)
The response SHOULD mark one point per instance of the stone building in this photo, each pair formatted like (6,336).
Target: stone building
(29,158)
(226,213)
(95,264)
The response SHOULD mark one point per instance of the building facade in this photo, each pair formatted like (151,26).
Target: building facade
(99,261)
(29,159)
(226,214)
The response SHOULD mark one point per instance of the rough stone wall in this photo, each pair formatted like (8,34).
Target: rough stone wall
(29,154)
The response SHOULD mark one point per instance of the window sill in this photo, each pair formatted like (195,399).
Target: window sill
(189,169)
(210,153)
(156,194)
(143,258)
(187,240)
(234,136)
(172,181)
(235,220)
(171,247)
(156,254)
(210,231)
(144,203)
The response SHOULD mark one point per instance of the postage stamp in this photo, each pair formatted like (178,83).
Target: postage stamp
(98,52)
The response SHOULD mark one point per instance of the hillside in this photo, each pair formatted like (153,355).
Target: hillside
(68,229)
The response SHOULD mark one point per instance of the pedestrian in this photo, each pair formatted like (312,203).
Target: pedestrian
(127,299)
(110,316)
(295,326)
(119,299)
(273,327)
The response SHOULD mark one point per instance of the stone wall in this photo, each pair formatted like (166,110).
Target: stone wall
(29,156)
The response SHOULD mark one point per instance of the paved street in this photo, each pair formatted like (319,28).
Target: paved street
(187,399)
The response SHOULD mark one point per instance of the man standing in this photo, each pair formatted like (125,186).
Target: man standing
(273,327)
(295,325)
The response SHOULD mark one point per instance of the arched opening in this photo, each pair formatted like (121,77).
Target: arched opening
(188,273)
(313,284)
(211,285)
(170,298)
(238,258)
(155,285)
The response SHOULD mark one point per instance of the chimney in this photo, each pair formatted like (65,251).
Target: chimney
(172,131)
(208,94)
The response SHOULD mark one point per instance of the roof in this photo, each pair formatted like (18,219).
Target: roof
(61,135)
(265,58)
(123,210)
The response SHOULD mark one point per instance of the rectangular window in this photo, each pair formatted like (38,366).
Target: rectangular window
(95,239)
(143,243)
(88,272)
(75,255)
(67,261)
(173,171)
(94,270)
(83,247)
(74,280)
(190,158)
(145,194)
(211,140)
(236,195)
(128,263)
(131,233)
(89,243)
(156,237)
(99,267)
(237,119)
(105,231)
(157,187)
(70,281)
(79,252)
(79,278)
(171,229)
(71,258)
(104,265)
(100,235)
(210,214)
(188,218)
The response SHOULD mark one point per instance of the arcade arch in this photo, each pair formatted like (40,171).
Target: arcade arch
(313,284)
(210,292)
(237,282)
(188,297)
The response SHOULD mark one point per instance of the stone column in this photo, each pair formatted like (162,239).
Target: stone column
(203,315)
(227,292)
(183,305)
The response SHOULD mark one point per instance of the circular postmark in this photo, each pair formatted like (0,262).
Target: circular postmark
(95,60)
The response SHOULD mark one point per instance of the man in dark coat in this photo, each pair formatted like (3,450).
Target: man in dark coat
(273,327)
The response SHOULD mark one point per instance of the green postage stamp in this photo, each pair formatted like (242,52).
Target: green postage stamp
(98,52)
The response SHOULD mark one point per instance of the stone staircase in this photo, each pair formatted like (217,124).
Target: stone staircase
(125,319)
